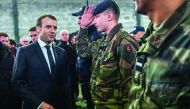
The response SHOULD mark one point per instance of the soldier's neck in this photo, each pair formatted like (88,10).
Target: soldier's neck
(110,26)
(162,10)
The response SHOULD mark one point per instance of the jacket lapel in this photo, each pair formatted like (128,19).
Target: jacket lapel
(39,52)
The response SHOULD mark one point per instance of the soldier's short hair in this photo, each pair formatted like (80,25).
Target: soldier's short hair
(115,10)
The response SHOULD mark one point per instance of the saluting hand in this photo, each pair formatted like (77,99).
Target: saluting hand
(87,17)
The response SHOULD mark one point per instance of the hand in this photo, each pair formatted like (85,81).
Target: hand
(46,106)
(87,17)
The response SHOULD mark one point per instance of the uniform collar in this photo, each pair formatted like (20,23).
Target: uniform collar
(157,38)
(113,32)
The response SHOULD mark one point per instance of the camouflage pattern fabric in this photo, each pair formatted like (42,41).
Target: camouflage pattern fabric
(161,78)
(113,57)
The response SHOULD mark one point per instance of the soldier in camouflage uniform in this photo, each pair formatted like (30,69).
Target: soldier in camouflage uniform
(161,78)
(113,55)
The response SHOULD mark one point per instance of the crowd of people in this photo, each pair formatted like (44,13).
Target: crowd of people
(116,69)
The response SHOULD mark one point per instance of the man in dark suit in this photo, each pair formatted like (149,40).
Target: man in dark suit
(72,57)
(6,62)
(40,76)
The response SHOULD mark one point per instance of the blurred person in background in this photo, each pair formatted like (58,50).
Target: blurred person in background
(23,42)
(72,57)
(4,38)
(72,38)
(6,64)
(12,47)
(137,33)
(33,34)
(12,43)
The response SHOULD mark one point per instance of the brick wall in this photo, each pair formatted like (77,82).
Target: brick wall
(30,10)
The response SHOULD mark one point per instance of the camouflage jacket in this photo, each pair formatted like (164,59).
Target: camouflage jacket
(161,77)
(113,57)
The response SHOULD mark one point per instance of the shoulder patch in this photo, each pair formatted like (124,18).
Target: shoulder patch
(127,48)
(128,54)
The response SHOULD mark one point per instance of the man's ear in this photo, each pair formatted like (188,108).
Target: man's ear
(38,29)
(110,16)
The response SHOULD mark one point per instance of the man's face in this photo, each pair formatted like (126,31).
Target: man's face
(142,6)
(5,40)
(64,36)
(47,30)
(101,22)
(73,40)
(33,35)
(23,42)
(79,20)
(138,35)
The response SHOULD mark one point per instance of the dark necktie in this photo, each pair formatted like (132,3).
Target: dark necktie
(50,57)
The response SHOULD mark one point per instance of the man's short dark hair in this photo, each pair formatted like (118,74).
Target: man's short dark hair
(3,34)
(73,34)
(12,42)
(39,20)
(32,29)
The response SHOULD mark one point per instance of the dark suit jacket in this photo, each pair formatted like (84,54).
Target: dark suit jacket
(33,82)
(6,64)
(72,57)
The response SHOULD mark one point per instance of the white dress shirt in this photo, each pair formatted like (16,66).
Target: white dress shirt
(44,50)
